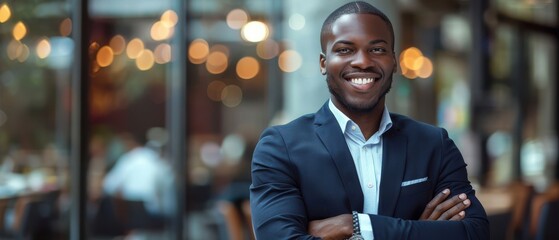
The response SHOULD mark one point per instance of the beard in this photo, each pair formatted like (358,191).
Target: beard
(356,107)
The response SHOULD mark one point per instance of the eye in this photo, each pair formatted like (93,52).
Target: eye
(343,50)
(378,50)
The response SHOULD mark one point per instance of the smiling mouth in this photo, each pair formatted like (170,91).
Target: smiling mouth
(362,81)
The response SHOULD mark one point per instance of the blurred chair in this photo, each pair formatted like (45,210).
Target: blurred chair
(118,217)
(548,221)
(544,220)
(33,216)
(523,194)
(236,224)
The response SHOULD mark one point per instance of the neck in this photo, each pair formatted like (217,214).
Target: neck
(368,121)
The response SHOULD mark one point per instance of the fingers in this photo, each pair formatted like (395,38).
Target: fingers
(433,204)
(451,207)
(458,216)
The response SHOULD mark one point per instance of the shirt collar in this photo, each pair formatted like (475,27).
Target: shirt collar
(345,122)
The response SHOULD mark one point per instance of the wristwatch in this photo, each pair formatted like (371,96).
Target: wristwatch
(356,231)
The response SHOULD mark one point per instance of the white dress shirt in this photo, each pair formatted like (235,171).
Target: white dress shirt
(367,157)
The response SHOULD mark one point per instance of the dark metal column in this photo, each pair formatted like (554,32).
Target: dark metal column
(176,114)
(479,80)
(79,132)
(557,89)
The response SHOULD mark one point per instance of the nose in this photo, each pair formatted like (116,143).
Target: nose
(362,60)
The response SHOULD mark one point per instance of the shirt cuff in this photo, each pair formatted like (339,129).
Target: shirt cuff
(365,226)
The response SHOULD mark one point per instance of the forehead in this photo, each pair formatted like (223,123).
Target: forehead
(360,26)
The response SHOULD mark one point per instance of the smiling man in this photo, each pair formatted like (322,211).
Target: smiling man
(353,169)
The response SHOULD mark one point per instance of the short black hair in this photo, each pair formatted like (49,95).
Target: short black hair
(357,7)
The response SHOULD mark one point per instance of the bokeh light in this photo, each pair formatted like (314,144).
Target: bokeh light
(290,61)
(169,18)
(65,27)
(162,53)
(159,31)
(23,53)
(217,62)
(19,31)
(413,64)
(236,18)
(118,44)
(254,31)
(267,49)
(145,60)
(5,13)
(297,21)
(134,48)
(13,50)
(198,51)
(247,67)
(105,56)
(233,148)
(231,96)
(43,48)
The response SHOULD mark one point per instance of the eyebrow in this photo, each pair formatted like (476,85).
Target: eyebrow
(351,43)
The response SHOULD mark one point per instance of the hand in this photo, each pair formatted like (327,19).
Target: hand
(338,227)
(452,209)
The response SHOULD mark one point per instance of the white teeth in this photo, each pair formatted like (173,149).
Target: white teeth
(362,81)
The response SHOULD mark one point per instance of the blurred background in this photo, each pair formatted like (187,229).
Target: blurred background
(136,119)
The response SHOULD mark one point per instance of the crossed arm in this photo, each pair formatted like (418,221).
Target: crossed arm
(438,209)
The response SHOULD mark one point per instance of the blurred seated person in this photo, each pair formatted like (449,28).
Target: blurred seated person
(140,174)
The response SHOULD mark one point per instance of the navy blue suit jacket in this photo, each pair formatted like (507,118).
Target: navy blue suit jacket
(304,171)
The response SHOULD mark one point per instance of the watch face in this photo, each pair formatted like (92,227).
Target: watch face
(356,237)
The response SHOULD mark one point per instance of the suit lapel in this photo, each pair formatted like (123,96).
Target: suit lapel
(331,136)
(393,167)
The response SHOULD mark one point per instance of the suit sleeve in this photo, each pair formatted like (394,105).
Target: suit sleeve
(453,175)
(278,210)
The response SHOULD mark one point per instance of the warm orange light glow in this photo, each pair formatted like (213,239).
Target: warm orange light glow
(255,31)
(409,56)
(145,60)
(413,64)
(426,69)
(231,96)
(19,31)
(217,62)
(134,48)
(214,90)
(93,47)
(66,27)
(5,13)
(408,73)
(118,44)
(290,61)
(267,49)
(248,67)
(43,48)
(160,32)
(236,18)
(198,51)
(169,18)
(162,53)
(105,56)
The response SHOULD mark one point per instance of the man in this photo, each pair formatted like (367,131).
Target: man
(353,169)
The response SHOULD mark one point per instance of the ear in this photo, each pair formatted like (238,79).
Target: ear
(322,64)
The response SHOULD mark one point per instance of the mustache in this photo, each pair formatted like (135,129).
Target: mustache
(363,71)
